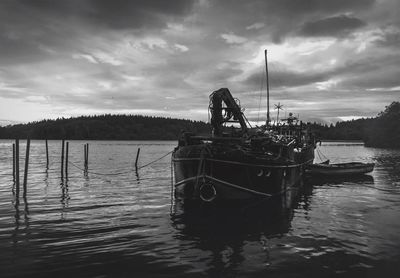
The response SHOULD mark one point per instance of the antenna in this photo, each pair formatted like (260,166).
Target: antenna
(279,107)
(266,70)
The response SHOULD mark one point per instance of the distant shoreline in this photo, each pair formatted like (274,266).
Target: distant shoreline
(381,132)
(348,141)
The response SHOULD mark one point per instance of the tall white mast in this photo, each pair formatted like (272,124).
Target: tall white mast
(266,70)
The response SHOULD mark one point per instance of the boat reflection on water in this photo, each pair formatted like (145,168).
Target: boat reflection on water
(234,237)
(339,180)
(221,220)
(226,230)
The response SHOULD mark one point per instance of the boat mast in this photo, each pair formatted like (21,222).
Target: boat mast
(266,70)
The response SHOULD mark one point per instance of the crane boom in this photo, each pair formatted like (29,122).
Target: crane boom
(220,115)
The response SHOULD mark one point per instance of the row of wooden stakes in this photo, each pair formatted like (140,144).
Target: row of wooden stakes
(64,161)
(16,164)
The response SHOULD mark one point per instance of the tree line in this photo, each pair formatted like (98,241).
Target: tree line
(105,127)
(381,131)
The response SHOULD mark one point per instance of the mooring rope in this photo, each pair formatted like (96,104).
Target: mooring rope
(155,160)
(118,173)
(320,153)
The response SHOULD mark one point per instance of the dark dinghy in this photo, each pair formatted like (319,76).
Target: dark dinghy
(340,169)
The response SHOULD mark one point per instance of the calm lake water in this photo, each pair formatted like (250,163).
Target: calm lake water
(113,222)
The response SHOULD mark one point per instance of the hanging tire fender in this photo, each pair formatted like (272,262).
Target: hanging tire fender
(208,192)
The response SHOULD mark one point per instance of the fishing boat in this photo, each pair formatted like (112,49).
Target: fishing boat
(340,169)
(237,161)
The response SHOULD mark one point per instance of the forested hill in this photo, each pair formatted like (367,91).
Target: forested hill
(105,127)
(348,130)
(382,131)
(385,130)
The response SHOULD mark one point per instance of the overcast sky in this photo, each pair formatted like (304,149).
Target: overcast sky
(328,60)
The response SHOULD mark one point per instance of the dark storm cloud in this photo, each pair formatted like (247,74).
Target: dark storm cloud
(390,38)
(40,30)
(218,75)
(332,26)
(282,18)
(371,72)
(365,73)
(16,51)
(384,78)
(287,78)
(116,14)
(29,36)
(311,6)
(294,7)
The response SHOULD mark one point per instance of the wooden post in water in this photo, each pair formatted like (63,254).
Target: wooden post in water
(87,156)
(137,159)
(84,156)
(17,166)
(66,160)
(28,146)
(62,157)
(13,162)
(47,155)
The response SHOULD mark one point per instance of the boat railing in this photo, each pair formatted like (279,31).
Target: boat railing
(291,142)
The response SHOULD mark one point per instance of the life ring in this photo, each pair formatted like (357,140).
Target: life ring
(208,193)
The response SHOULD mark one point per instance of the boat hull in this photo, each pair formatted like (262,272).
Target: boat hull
(216,179)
